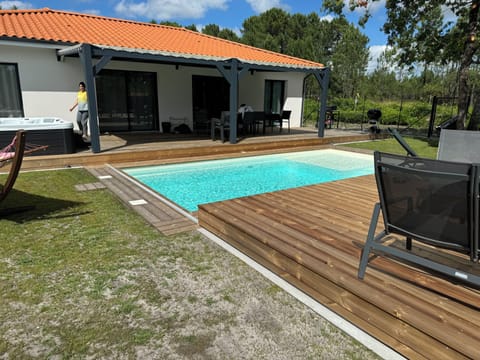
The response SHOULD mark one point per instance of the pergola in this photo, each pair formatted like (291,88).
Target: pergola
(231,69)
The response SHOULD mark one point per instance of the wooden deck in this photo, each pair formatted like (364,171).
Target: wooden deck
(312,237)
(149,206)
(154,148)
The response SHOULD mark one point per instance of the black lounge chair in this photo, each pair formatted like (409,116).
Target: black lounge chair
(431,201)
(460,146)
(402,142)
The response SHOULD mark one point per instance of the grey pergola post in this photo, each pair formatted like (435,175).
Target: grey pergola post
(323,78)
(85,53)
(233,101)
(232,77)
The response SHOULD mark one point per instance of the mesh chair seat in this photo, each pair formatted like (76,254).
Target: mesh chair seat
(431,201)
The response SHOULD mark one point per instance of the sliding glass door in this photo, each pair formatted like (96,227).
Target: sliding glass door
(127,100)
(274,96)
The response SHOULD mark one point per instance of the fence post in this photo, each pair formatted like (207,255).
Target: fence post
(433,115)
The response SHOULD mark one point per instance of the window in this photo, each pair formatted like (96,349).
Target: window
(274,96)
(10,95)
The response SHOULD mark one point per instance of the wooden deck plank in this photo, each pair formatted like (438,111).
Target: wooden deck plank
(315,235)
(136,192)
(388,329)
(284,210)
(157,213)
(402,303)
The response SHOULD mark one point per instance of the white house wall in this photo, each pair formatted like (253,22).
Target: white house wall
(49,86)
(252,89)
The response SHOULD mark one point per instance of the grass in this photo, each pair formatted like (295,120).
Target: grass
(82,276)
(421,146)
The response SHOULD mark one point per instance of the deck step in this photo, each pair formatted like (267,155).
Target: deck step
(312,237)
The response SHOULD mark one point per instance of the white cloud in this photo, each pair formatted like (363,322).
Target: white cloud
(328,18)
(91,11)
(260,6)
(373,7)
(19,4)
(375,52)
(168,9)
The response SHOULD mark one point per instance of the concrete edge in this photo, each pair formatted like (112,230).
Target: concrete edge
(358,334)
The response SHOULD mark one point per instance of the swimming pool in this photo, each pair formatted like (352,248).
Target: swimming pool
(191,184)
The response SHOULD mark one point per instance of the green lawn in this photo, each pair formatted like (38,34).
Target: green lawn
(390,145)
(82,276)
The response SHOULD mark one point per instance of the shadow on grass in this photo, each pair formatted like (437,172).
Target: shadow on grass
(21,207)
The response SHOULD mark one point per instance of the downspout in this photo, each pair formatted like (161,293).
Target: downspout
(85,53)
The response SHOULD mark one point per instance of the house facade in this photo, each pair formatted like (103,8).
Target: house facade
(141,75)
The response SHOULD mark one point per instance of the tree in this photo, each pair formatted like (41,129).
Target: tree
(214,30)
(211,29)
(267,31)
(349,57)
(192,27)
(418,30)
(337,44)
(169,23)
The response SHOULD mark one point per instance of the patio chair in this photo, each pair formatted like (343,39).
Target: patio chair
(454,145)
(285,117)
(250,122)
(402,142)
(222,124)
(459,145)
(271,120)
(431,201)
(12,153)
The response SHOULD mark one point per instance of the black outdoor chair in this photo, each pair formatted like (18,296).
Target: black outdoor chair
(285,117)
(430,201)
(249,122)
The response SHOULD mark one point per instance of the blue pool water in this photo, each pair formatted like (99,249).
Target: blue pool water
(191,184)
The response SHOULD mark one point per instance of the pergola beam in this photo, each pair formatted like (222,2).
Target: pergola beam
(231,69)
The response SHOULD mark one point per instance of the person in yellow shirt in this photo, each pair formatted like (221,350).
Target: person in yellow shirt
(82,114)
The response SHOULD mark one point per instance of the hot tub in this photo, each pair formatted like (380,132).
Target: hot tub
(54,132)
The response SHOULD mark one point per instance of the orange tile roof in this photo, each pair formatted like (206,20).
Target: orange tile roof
(75,28)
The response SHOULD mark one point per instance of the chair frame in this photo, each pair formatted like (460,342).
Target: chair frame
(375,242)
(402,142)
(216,123)
(15,165)
(285,116)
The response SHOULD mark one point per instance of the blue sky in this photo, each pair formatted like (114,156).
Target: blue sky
(225,13)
